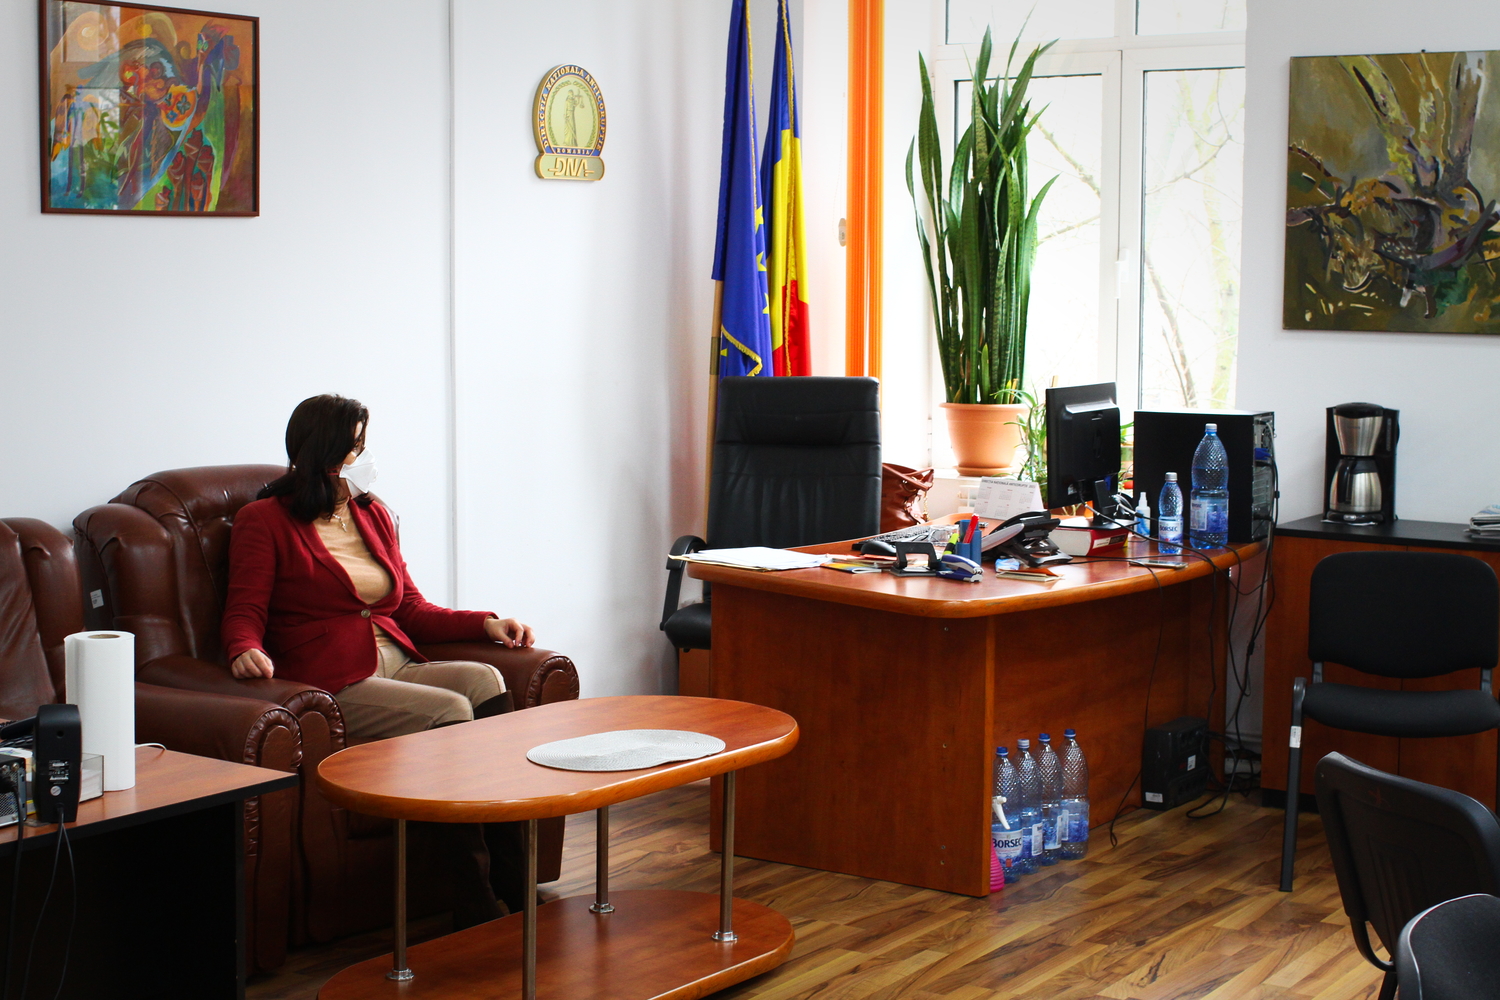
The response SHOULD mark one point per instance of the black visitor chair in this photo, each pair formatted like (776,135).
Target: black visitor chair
(1400,846)
(1403,615)
(796,462)
(1448,951)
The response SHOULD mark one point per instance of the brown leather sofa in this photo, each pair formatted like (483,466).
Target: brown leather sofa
(155,562)
(40,604)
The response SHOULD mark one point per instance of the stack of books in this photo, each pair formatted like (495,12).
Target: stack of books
(1486,524)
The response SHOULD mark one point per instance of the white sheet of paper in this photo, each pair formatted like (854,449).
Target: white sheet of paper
(758,557)
(1004,498)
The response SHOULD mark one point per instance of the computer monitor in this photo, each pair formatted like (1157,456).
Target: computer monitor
(1083,447)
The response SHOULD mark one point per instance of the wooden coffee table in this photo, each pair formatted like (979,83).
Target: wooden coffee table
(634,945)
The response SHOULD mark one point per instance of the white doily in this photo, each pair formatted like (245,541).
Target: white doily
(624,750)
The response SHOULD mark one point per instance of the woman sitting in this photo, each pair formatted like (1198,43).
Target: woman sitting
(319,593)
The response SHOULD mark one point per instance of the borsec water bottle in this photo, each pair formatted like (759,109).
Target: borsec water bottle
(1169,517)
(1210,495)
(1075,798)
(1005,821)
(1049,781)
(1030,808)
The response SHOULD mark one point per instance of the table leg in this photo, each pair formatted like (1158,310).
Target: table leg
(601,902)
(399,971)
(726,870)
(528,927)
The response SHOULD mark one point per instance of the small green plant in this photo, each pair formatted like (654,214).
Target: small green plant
(1034,439)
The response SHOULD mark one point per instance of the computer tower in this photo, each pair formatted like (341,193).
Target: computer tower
(1166,439)
(1174,763)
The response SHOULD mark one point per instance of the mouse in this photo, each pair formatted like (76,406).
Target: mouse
(876,547)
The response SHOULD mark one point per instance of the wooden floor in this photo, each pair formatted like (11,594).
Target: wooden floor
(1181,909)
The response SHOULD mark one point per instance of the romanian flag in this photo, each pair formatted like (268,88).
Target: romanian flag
(781,193)
(740,251)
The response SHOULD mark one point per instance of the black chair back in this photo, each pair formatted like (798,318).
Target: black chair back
(796,461)
(1404,614)
(1400,846)
(1448,952)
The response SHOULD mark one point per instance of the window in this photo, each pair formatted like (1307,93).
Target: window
(1137,272)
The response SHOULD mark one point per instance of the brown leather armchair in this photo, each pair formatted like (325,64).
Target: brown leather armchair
(155,561)
(40,604)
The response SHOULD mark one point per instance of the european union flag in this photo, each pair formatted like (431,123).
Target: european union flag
(740,250)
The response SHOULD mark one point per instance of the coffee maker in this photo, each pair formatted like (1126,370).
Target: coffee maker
(1360,464)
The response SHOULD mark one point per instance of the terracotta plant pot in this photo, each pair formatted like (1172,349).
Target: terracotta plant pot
(986,437)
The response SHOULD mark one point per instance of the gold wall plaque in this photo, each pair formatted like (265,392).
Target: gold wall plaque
(568,121)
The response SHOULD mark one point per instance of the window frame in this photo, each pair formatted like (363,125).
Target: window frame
(1122,62)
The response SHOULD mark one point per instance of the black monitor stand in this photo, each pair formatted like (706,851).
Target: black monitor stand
(1106,504)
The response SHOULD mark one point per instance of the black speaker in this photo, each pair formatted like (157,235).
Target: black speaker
(1166,439)
(57,775)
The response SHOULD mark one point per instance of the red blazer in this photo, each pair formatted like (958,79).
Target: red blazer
(290,598)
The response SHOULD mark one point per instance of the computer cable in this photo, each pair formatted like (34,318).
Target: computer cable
(8,776)
(41,914)
(62,832)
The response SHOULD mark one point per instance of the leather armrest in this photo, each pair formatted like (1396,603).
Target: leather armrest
(683,546)
(243,730)
(53,574)
(125,561)
(534,676)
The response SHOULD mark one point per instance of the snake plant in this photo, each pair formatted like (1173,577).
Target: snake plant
(978,233)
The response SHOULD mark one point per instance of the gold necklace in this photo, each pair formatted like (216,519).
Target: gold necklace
(336,516)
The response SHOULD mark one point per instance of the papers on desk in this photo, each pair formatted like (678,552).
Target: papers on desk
(758,557)
(1004,498)
(1486,524)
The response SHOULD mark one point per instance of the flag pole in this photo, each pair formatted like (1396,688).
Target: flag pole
(713,396)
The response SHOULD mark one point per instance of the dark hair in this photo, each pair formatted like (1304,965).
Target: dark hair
(319,435)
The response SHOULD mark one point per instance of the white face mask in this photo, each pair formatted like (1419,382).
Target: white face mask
(359,474)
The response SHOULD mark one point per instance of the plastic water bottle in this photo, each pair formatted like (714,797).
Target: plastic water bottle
(1142,515)
(1049,780)
(1030,808)
(1075,799)
(1169,517)
(1005,820)
(1210,496)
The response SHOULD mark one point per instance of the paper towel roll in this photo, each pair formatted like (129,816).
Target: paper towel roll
(100,679)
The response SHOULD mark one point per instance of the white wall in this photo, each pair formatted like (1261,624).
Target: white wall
(135,344)
(1443,385)
(565,395)
(583,315)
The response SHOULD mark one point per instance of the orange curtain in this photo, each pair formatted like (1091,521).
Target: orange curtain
(863,233)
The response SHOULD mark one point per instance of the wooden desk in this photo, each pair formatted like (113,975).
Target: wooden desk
(1463,763)
(160,874)
(643,944)
(904,687)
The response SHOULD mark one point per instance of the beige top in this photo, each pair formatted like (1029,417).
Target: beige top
(344,543)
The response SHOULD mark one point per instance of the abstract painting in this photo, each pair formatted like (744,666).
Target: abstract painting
(1393,168)
(149,110)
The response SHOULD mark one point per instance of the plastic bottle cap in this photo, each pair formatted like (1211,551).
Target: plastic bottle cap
(1210,428)
(1023,744)
(1003,751)
(1069,733)
(1171,477)
(1045,737)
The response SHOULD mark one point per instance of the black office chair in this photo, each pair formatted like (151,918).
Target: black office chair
(796,462)
(1448,951)
(1394,614)
(1400,846)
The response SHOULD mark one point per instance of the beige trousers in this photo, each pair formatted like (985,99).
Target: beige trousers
(405,696)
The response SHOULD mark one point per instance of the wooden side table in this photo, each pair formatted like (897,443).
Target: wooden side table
(634,944)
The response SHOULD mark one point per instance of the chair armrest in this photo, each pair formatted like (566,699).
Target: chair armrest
(681,547)
(242,730)
(534,676)
(317,714)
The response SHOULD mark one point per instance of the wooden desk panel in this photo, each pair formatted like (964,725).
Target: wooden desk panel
(900,713)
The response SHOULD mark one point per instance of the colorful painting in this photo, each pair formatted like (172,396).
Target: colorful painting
(1393,168)
(149,110)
